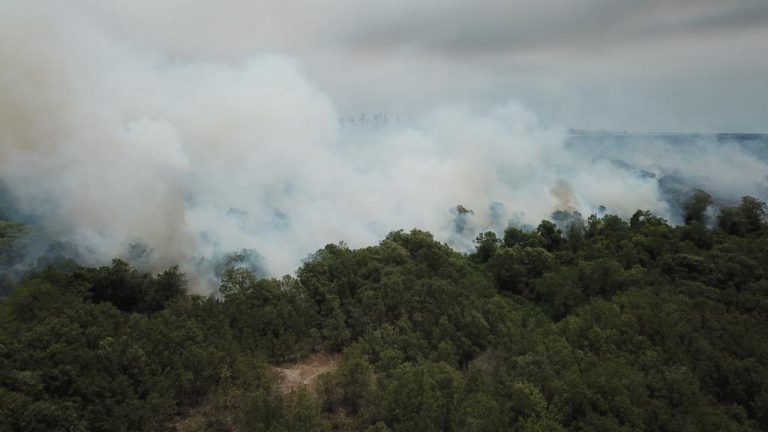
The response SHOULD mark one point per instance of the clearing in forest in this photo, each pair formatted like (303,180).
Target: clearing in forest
(304,373)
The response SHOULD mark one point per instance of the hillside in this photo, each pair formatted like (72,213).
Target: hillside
(595,324)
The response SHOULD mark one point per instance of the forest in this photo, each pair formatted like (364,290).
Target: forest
(591,323)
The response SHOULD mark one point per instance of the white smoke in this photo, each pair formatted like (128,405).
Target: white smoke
(111,144)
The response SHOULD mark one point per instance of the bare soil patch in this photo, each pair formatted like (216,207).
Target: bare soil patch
(304,373)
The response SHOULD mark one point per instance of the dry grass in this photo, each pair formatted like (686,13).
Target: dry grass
(288,377)
(304,373)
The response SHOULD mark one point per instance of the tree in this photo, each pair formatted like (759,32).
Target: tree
(419,397)
(9,231)
(695,207)
(487,245)
(644,218)
(513,269)
(550,236)
(351,386)
(753,212)
(748,217)
(516,237)
(165,287)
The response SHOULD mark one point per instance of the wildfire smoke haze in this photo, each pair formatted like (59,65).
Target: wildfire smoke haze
(188,133)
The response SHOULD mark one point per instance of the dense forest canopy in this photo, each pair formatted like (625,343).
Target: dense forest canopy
(583,324)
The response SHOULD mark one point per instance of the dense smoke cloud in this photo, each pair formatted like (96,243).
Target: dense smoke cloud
(121,149)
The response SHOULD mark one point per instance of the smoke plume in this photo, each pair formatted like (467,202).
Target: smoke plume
(121,149)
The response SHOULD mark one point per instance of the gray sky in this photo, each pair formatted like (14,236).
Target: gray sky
(682,65)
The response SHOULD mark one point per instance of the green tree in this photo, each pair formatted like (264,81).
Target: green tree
(550,236)
(517,237)
(695,207)
(487,246)
(748,217)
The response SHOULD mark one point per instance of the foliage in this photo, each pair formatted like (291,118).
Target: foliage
(614,325)
(695,206)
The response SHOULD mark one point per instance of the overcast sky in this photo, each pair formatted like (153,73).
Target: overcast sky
(654,65)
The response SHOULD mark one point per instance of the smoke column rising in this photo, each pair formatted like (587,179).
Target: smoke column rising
(110,143)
